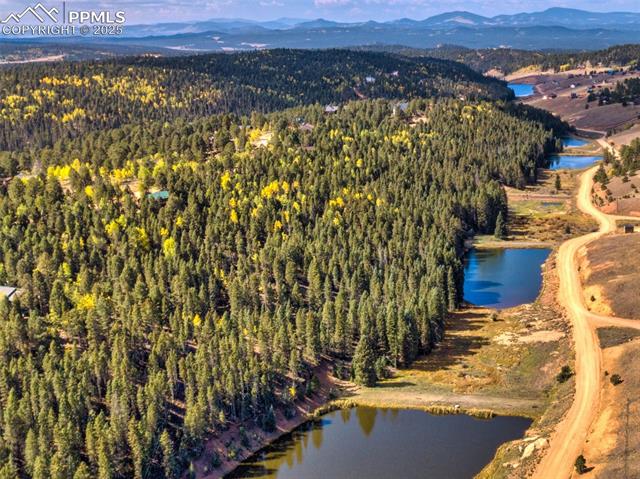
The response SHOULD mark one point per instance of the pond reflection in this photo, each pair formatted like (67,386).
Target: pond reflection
(503,277)
(382,443)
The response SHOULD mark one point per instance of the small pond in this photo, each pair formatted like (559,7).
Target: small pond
(572,162)
(383,443)
(521,89)
(573,142)
(503,277)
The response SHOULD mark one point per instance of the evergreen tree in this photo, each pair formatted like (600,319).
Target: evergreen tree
(501,227)
(168,456)
(364,359)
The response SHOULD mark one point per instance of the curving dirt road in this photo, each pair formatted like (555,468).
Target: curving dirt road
(569,437)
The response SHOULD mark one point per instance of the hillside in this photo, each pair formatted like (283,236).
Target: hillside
(41,104)
(146,324)
(509,60)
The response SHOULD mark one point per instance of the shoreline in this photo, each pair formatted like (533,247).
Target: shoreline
(306,410)
(497,406)
(444,408)
(508,244)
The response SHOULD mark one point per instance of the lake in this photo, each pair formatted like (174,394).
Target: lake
(521,89)
(503,277)
(375,443)
(573,142)
(572,162)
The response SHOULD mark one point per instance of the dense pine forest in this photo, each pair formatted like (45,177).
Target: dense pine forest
(180,275)
(40,104)
(508,60)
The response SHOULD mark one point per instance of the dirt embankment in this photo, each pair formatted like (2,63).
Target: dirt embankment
(242,440)
(610,272)
(620,196)
(614,441)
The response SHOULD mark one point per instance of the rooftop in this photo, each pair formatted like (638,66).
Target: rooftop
(159,195)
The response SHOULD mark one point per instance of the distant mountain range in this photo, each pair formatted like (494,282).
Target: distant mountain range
(555,28)
(553,17)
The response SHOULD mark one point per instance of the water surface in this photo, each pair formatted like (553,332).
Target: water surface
(572,162)
(521,89)
(503,278)
(382,443)
(573,142)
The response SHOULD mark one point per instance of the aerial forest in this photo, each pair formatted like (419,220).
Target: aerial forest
(187,258)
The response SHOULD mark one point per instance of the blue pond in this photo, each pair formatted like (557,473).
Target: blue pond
(573,142)
(571,162)
(521,90)
(503,278)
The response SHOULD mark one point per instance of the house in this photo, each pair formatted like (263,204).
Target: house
(331,109)
(159,195)
(370,79)
(628,228)
(10,292)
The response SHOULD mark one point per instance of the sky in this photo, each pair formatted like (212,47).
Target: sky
(155,11)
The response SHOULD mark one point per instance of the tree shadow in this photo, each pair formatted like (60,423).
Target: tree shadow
(455,348)
(287,449)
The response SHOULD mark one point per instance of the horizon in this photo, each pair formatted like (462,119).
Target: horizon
(148,12)
(293,18)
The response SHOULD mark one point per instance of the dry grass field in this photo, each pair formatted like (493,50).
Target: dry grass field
(571,103)
(625,136)
(542,213)
(611,274)
(620,196)
(614,442)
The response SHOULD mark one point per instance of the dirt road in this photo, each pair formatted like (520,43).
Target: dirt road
(569,437)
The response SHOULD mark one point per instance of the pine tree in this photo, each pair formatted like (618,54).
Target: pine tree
(452,290)
(364,360)
(168,455)
(82,472)
(312,338)
(269,420)
(501,228)
(314,280)
(601,176)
